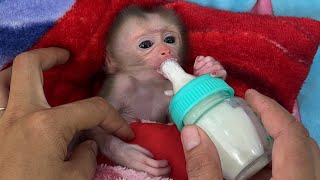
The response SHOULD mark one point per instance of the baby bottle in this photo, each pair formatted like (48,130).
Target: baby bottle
(243,144)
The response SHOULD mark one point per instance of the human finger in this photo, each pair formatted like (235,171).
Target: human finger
(5,77)
(315,149)
(201,155)
(86,114)
(292,156)
(274,117)
(83,161)
(26,89)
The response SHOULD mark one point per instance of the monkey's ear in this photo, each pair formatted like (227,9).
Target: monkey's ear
(110,65)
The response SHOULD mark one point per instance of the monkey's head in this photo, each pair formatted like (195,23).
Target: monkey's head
(144,38)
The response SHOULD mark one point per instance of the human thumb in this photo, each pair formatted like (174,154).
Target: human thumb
(201,155)
(83,160)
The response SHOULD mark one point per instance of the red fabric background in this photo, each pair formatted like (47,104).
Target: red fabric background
(272,55)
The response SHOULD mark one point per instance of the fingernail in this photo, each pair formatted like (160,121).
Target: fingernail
(250,91)
(190,137)
(213,75)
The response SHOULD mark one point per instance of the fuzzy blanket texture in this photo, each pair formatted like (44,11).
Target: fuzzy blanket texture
(270,54)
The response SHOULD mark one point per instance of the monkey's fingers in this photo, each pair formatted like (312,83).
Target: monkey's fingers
(221,74)
(208,68)
(147,157)
(143,150)
(141,162)
(205,70)
(207,61)
(199,63)
(157,163)
(199,58)
(165,171)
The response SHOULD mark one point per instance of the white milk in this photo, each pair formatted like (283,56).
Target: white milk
(171,70)
(235,137)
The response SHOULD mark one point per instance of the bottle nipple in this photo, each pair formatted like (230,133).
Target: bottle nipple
(172,71)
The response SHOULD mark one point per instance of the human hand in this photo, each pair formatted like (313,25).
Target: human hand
(208,65)
(34,137)
(295,155)
(5,76)
(201,155)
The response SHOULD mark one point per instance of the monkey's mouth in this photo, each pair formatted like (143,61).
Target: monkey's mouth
(160,67)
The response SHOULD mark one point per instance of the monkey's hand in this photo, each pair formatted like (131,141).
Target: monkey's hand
(132,156)
(208,65)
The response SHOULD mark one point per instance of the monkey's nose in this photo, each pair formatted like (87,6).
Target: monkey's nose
(166,52)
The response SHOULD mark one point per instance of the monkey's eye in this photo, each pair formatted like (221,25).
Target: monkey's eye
(169,39)
(145,44)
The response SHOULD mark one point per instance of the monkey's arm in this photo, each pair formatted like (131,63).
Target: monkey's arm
(124,93)
(129,155)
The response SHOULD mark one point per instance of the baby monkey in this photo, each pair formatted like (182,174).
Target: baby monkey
(138,42)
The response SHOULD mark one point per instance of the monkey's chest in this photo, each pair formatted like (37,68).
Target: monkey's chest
(149,103)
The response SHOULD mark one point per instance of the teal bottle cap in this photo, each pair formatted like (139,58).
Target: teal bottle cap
(193,93)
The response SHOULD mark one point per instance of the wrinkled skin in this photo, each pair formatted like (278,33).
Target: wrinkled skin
(137,91)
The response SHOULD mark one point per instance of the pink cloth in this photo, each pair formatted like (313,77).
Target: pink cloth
(105,172)
(263,7)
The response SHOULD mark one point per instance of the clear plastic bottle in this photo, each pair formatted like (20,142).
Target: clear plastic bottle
(242,142)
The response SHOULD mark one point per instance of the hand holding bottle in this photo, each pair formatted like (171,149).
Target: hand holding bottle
(243,144)
(295,154)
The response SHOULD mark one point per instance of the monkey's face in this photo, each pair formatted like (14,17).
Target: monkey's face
(147,41)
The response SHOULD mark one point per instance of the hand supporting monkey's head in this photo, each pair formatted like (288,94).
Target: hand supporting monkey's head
(144,38)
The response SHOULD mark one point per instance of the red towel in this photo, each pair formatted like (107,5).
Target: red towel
(270,54)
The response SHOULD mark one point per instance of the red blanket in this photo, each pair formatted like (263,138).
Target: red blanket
(270,54)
